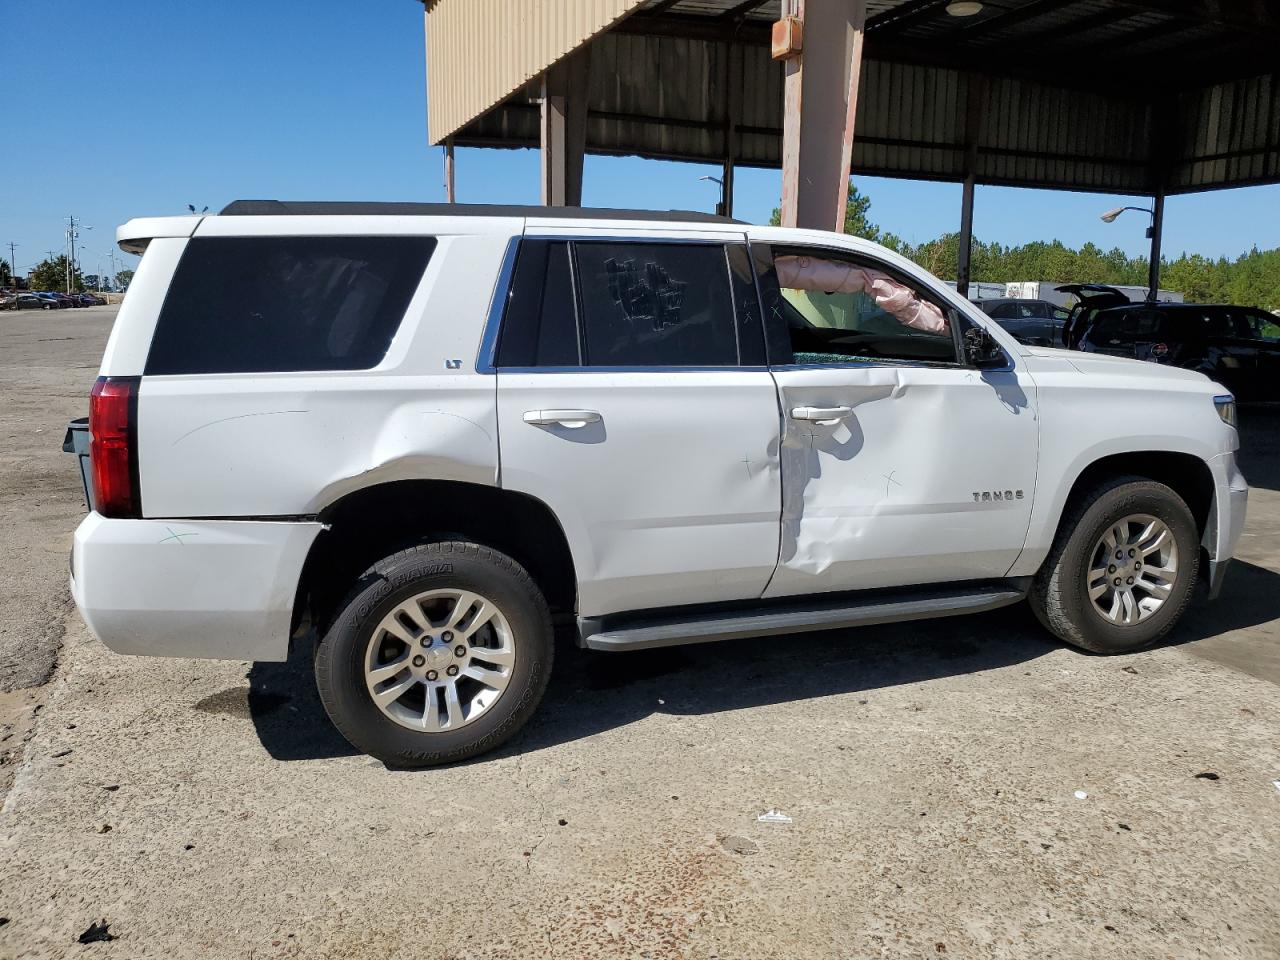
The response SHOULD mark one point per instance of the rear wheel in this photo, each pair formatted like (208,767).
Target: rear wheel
(440,653)
(1122,568)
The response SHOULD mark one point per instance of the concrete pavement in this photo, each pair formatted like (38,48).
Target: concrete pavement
(932,773)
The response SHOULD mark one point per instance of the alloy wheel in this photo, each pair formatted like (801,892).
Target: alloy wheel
(1133,569)
(439,660)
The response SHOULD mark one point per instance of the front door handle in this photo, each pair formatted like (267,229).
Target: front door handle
(823,415)
(573,419)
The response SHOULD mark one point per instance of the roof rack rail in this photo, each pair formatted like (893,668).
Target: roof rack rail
(304,208)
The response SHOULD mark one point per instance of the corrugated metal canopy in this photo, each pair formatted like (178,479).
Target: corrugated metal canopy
(1100,95)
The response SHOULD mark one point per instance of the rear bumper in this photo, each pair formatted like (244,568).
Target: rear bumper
(218,589)
(1226,518)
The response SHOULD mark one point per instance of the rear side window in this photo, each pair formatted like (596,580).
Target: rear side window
(259,304)
(1129,325)
(656,304)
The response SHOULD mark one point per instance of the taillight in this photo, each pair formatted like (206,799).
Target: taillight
(113,446)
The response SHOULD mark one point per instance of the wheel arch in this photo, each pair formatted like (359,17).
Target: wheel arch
(363,526)
(1185,473)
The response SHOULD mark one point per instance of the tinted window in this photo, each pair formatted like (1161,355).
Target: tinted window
(255,304)
(1128,325)
(655,304)
(1261,325)
(539,327)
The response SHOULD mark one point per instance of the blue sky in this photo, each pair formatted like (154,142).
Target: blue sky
(149,105)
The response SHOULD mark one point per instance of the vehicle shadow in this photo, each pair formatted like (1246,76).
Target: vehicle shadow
(287,713)
(592,692)
(1259,455)
(1250,597)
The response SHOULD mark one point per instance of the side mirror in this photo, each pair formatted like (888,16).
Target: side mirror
(981,349)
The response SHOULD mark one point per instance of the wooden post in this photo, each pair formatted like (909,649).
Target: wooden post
(820,111)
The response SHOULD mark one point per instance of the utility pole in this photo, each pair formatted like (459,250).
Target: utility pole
(71,262)
(111,253)
(13,273)
(71,243)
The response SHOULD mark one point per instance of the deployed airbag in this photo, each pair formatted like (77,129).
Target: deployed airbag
(832,276)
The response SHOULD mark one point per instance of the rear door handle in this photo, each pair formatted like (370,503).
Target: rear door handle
(564,418)
(823,415)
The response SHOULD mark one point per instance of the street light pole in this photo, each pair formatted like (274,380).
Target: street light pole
(1156,212)
(723,205)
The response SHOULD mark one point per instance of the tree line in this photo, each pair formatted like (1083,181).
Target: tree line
(1251,279)
(51,274)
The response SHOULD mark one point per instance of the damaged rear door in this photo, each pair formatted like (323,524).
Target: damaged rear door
(900,464)
(634,400)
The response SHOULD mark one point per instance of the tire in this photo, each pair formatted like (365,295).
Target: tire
(423,579)
(1060,592)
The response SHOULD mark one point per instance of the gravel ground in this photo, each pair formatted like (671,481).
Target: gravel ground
(961,787)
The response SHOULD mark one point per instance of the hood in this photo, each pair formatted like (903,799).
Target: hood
(1126,366)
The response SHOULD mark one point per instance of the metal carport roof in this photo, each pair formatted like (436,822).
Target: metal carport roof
(1101,95)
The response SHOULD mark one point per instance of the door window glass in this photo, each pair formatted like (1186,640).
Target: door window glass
(1128,325)
(655,304)
(1262,326)
(840,310)
(539,328)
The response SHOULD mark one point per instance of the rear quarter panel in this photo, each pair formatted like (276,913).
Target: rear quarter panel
(289,444)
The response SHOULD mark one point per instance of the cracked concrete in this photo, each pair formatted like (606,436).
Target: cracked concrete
(930,770)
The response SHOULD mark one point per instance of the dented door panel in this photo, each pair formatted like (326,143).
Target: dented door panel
(929,478)
(668,493)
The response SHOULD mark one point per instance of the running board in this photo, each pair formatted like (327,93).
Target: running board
(759,620)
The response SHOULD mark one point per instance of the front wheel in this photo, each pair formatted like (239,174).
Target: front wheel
(440,653)
(1122,567)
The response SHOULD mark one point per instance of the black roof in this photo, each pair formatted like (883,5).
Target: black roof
(1170,305)
(1014,300)
(305,208)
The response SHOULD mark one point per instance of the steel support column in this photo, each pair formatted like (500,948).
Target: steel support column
(973,109)
(819,111)
(732,97)
(450,194)
(965,249)
(564,130)
(1157,228)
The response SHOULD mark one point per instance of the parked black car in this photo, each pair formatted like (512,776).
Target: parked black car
(1237,346)
(1090,298)
(1034,322)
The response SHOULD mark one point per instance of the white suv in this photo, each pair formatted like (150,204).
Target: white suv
(424,434)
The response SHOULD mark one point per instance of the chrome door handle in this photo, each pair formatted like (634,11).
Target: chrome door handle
(565,418)
(823,415)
